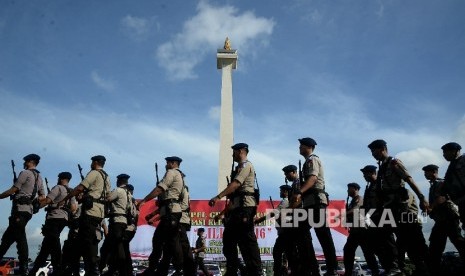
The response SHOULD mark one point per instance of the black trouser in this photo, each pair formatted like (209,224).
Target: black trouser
(300,251)
(200,265)
(188,259)
(71,256)
(323,233)
(438,239)
(279,249)
(157,250)
(169,233)
(16,232)
(410,240)
(51,245)
(113,251)
(356,238)
(239,231)
(88,242)
(383,241)
(127,238)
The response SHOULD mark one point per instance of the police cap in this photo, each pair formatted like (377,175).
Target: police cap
(429,168)
(240,146)
(289,168)
(98,158)
(307,141)
(65,175)
(201,229)
(285,187)
(377,144)
(31,156)
(173,158)
(369,168)
(355,185)
(123,176)
(451,146)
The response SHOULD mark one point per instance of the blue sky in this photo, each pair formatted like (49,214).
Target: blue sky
(137,81)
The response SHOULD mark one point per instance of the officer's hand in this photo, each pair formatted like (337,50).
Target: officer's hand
(139,203)
(424,205)
(296,200)
(149,216)
(213,201)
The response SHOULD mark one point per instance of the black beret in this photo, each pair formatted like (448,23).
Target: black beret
(290,168)
(65,175)
(31,156)
(240,146)
(430,167)
(201,229)
(123,176)
(451,146)
(98,158)
(130,187)
(369,168)
(377,144)
(173,158)
(307,141)
(355,185)
(285,187)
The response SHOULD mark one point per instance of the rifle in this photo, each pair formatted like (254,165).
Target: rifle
(15,178)
(46,185)
(301,176)
(271,201)
(156,172)
(80,172)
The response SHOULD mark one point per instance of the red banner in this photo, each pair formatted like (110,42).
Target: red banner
(202,216)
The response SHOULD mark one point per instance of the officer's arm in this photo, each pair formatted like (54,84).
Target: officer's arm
(9,192)
(421,197)
(309,183)
(229,189)
(79,189)
(153,194)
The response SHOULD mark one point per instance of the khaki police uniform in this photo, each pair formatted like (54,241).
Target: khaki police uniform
(315,201)
(239,225)
(29,184)
(112,251)
(358,237)
(55,221)
(401,202)
(454,185)
(130,231)
(170,215)
(97,185)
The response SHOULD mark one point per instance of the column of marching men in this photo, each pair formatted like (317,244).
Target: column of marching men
(390,207)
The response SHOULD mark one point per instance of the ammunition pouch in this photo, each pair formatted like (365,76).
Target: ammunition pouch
(23,200)
(35,205)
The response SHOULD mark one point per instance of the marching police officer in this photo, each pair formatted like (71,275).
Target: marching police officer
(95,186)
(454,181)
(131,229)
(199,251)
(381,240)
(25,188)
(391,179)
(446,220)
(299,236)
(55,221)
(239,227)
(282,241)
(112,251)
(315,200)
(170,187)
(357,233)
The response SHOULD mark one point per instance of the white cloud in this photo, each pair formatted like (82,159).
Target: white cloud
(208,29)
(105,84)
(138,28)
(215,113)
